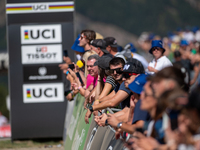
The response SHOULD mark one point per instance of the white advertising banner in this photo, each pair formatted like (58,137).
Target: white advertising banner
(35,34)
(45,7)
(36,54)
(40,93)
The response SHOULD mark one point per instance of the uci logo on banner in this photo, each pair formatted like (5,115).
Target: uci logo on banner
(36,54)
(41,34)
(36,93)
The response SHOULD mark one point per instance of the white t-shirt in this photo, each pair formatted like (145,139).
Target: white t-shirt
(162,62)
(141,59)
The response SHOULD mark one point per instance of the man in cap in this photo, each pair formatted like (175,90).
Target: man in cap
(120,95)
(111,47)
(99,46)
(136,115)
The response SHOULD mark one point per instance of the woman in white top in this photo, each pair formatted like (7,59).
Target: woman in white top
(160,61)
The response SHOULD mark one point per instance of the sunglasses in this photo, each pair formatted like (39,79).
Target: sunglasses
(128,75)
(156,48)
(82,36)
(118,71)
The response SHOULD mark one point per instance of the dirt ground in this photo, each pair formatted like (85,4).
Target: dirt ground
(6,144)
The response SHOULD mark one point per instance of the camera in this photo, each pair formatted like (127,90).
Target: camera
(71,66)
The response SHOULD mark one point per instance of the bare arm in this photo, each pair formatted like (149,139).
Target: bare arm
(130,128)
(119,97)
(111,95)
(106,90)
(122,115)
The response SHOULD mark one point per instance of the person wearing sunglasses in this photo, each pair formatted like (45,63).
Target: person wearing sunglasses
(160,61)
(115,64)
(120,95)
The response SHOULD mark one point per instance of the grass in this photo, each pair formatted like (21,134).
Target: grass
(29,143)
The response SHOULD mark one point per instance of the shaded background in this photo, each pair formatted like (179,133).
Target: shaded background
(123,19)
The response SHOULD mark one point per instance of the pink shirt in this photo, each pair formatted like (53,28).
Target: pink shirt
(92,80)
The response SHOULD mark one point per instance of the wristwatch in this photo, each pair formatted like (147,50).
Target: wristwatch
(91,108)
(106,122)
(119,125)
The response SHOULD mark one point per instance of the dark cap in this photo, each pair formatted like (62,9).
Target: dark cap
(133,66)
(103,62)
(99,43)
(111,41)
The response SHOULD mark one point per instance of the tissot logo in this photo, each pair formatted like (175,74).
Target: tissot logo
(41,54)
(34,93)
(41,34)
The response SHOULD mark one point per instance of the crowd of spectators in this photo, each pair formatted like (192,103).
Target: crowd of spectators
(159,100)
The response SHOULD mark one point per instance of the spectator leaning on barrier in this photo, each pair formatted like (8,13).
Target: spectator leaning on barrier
(160,61)
(116,67)
(136,115)
(105,83)
(121,95)
(111,47)
(91,77)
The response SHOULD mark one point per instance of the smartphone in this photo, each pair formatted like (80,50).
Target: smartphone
(65,53)
(67,92)
(71,66)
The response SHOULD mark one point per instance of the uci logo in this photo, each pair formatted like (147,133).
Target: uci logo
(39,7)
(38,93)
(36,34)
(45,92)
(41,34)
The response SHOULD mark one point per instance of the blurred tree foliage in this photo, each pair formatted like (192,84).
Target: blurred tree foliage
(137,16)
(3,95)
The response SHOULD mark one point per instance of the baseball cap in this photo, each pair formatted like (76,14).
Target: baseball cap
(99,43)
(76,46)
(111,41)
(103,62)
(133,66)
(156,43)
(137,85)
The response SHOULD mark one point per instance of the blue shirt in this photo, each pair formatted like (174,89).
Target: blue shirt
(140,114)
(126,102)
